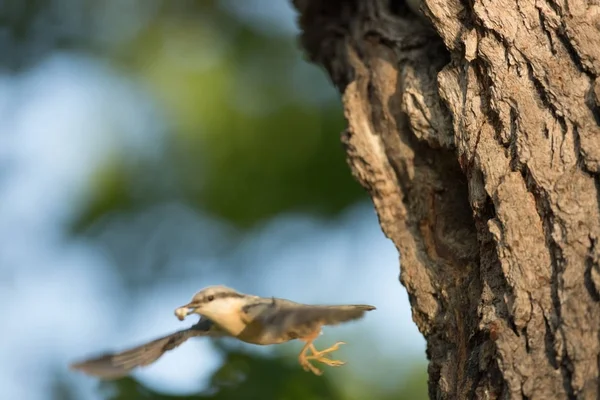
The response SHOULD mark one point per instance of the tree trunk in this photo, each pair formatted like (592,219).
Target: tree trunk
(474,127)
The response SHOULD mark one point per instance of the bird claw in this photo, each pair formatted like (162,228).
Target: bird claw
(330,362)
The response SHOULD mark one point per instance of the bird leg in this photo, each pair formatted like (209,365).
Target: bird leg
(303,359)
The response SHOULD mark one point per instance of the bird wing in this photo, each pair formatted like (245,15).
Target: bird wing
(118,365)
(284,318)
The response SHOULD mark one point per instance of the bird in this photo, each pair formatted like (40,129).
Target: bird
(225,312)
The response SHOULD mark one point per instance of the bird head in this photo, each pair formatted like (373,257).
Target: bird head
(211,302)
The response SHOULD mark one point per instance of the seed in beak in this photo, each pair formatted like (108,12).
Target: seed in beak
(182,312)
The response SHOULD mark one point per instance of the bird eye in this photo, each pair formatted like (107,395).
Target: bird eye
(210,298)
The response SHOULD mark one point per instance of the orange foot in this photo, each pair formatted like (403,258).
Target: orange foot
(318,356)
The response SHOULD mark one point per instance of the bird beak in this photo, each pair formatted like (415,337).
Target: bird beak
(184,311)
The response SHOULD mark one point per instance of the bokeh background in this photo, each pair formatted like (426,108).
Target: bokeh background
(149,148)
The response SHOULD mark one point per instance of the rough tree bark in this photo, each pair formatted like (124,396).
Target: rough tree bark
(474,125)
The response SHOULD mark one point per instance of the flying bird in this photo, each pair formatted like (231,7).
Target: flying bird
(225,312)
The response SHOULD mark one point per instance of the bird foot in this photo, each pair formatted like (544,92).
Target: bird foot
(319,356)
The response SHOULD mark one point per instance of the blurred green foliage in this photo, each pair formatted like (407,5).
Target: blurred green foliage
(245,376)
(249,139)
